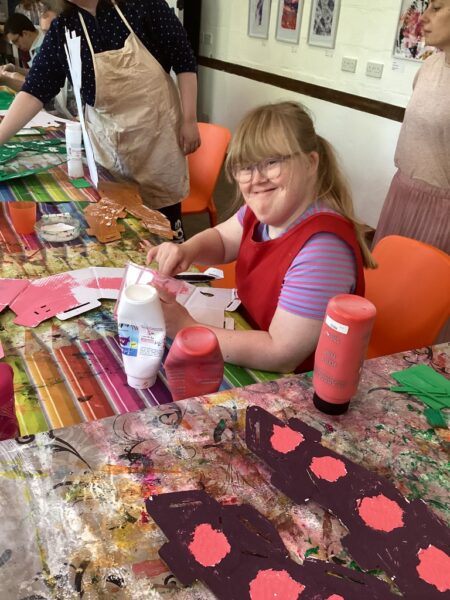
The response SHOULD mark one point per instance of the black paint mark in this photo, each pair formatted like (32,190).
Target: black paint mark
(5,557)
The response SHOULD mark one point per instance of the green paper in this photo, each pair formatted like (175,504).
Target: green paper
(6,99)
(429,387)
(10,150)
(435,418)
(80,183)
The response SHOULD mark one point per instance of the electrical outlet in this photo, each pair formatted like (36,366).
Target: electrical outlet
(207,39)
(349,64)
(374,69)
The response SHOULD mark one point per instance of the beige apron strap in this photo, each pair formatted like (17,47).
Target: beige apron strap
(88,39)
(122,16)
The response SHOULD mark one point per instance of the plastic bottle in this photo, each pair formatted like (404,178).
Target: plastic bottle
(194,364)
(9,427)
(74,153)
(142,333)
(341,351)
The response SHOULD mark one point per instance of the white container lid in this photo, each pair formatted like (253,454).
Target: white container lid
(141,383)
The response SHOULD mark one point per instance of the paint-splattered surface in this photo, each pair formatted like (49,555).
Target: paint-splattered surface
(69,372)
(72,501)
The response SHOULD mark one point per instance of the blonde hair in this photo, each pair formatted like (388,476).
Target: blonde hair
(285,129)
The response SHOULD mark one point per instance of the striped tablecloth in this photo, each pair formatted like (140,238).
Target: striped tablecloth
(70,372)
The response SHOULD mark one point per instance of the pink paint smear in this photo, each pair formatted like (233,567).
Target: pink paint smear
(209,546)
(328,468)
(380,513)
(434,568)
(275,585)
(285,439)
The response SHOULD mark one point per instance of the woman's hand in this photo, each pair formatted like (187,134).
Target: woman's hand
(175,315)
(9,68)
(189,137)
(171,258)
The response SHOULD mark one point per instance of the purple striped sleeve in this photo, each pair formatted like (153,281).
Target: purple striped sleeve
(324,267)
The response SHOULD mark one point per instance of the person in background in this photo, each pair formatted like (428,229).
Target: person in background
(138,128)
(296,241)
(418,202)
(32,9)
(64,103)
(21,32)
(46,19)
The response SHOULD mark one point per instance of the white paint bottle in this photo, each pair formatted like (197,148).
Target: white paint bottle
(74,152)
(142,333)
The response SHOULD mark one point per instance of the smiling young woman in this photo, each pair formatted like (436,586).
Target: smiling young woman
(296,241)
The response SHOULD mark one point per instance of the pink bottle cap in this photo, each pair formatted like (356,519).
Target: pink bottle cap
(352,307)
(197,341)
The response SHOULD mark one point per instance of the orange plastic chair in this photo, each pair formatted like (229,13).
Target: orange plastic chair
(204,169)
(411,292)
(229,275)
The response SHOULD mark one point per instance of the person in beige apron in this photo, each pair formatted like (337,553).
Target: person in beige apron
(134,127)
(134,119)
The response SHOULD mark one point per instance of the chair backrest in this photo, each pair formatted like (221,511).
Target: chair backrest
(206,162)
(411,291)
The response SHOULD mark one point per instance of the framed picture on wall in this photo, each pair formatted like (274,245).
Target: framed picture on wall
(289,20)
(259,18)
(323,23)
(409,41)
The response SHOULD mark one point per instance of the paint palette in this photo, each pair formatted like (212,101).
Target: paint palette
(60,227)
(385,530)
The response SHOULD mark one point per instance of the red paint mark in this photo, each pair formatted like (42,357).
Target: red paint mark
(285,439)
(144,517)
(335,597)
(380,513)
(275,585)
(149,568)
(328,468)
(209,547)
(104,283)
(434,568)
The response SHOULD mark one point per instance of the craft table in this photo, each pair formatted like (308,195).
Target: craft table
(72,500)
(68,372)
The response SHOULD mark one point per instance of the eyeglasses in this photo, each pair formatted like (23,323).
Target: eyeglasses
(269,169)
(16,39)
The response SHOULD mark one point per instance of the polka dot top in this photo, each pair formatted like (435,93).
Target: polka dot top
(153,21)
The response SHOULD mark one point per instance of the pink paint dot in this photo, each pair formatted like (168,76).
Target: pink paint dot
(434,568)
(275,585)
(285,439)
(328,468)
(380,513)
(209,546)
(335,597)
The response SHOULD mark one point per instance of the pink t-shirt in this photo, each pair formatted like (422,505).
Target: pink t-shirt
(423,148)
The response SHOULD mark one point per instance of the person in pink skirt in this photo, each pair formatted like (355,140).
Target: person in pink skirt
(418,201)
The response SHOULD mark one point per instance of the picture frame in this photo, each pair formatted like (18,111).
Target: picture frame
(409,42)
(289,20)
(259,18)
(323,23)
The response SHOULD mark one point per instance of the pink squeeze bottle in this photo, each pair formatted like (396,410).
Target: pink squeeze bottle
(194,364)
(341,351)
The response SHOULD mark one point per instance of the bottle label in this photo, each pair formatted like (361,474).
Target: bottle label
(74,152)
(339,327)
(141,341)
(152,341)
(128,339)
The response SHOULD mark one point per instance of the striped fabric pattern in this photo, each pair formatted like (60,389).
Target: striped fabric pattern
(69,372)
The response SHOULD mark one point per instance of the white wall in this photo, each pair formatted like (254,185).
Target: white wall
(366,31)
